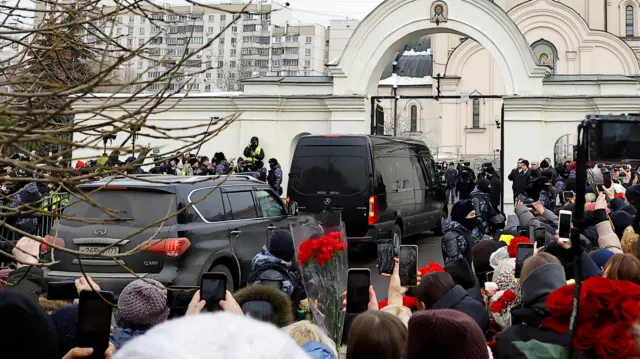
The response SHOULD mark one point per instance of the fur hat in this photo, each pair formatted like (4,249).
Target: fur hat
(200,337)
(266,303)
(142,303)
(629,242)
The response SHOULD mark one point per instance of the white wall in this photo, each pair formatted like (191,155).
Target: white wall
(340,32)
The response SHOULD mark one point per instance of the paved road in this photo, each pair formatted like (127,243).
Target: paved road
(429,250)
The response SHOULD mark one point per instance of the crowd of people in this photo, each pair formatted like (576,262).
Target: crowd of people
(484,302)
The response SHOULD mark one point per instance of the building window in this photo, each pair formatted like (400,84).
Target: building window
(307,52)
(476,113)
(308,40)
(545,54)
(414,118)
(629,21)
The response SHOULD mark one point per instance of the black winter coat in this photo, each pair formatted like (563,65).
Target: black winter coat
(458,299)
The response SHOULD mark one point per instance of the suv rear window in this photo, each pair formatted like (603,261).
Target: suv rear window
(144,208)
(329,175)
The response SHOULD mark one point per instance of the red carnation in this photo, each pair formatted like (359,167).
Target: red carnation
(619,195)
(509,296)
(513,245)
(600,288)
(616,342)
(629,289)
(321,249)
(498,306)
(432,267)
(628,311)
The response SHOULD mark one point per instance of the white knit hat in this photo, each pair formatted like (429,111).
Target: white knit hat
(220,336)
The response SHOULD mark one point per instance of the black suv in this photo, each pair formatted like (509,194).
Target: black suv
(225,226)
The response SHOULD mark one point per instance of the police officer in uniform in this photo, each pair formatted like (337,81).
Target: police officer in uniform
(253,152)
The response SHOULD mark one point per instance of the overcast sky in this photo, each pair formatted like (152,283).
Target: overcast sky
(321,11)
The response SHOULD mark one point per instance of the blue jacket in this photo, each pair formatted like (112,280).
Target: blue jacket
(121,336)
(458,299)
(316,350)
(275,177)
(264,259)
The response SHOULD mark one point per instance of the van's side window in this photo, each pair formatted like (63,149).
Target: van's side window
(385,174)
(431,170)
(419,174)
(404,172)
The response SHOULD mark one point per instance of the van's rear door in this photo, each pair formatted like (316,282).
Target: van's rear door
(333,172)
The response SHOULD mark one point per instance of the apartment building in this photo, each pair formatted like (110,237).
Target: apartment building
(262,42)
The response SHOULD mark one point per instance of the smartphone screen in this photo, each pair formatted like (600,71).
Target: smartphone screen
(94,322)
(606,176)
(62,291)
(180,297)
(567,195)
(525,250)
(540,236)
(358,281)
(408,263)
(564,228)
(385,256)
(213,287)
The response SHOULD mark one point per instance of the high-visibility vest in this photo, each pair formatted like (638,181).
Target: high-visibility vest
(251,159)
(54,202)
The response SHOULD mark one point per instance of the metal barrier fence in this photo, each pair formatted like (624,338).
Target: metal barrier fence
(45,222)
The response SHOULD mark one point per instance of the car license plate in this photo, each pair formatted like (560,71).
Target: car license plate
(96,250)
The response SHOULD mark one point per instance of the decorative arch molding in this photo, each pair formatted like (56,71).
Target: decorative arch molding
(394,22)
(460,56)
(412,102)
(576,32)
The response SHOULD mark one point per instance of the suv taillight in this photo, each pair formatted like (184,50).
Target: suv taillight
(170,247)
(372,217)
(45,248)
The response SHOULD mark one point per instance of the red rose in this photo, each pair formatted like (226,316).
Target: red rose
(509,296)
(627,311)
(498,306)
(560,301)
(628,289)
(586,335)
(603,289)
(616,342)
(557,324)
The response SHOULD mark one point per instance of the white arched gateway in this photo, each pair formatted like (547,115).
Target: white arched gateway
(394,22)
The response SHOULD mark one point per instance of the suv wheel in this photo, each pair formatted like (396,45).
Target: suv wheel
(396,236)
(438,230)
(221,268)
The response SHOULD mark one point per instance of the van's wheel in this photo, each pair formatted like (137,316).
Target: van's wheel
(221,268)
(438,230)
(396,236)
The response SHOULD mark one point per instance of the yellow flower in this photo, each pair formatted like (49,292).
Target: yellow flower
(506,238)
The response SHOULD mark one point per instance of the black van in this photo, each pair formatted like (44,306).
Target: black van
(386,187)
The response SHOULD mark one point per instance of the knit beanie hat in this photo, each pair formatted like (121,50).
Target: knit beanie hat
(201,337)
(621,220)
(601,257)
(633,195)
(484,185)
(26,330)
(65,321)
(281,244)
(460,210)
(142,304)
(444,333)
